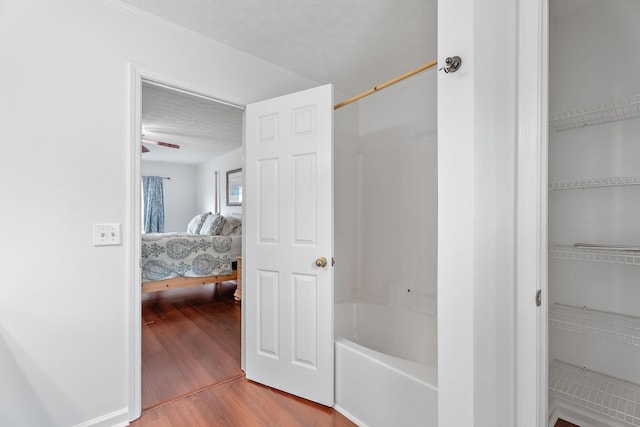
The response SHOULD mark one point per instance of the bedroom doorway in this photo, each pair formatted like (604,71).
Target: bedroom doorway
(185,339)
(313,122)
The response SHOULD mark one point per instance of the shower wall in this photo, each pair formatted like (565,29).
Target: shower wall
(395,167)
(345,202)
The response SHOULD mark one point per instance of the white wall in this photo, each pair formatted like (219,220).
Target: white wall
(476,210)
(65,109)
(180,192)
(398,211)
(206,182)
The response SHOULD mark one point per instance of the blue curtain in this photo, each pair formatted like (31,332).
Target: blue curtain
(153,204)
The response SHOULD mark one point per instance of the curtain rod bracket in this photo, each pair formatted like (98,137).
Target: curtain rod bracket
(451,64)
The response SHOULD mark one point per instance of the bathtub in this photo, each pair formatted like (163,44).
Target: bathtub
(386,365)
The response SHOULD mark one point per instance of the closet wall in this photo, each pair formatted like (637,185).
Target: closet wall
(594,198)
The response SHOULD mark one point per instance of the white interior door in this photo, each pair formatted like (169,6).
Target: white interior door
(288,299)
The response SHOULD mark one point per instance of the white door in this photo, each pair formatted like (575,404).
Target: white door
(287,298)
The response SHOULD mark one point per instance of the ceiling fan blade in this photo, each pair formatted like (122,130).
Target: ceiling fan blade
(145,149)
(160,143)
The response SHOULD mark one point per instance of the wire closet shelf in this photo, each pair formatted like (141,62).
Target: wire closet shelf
(604,112)
(616,181)
(606,254)
(596,392)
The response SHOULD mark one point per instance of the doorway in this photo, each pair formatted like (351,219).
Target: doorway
(190,316)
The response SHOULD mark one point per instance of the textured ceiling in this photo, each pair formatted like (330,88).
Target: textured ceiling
(204,129)
(354,44)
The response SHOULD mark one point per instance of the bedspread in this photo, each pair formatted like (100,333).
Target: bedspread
(169,255)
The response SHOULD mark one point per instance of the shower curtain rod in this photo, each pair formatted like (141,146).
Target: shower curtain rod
(386,84)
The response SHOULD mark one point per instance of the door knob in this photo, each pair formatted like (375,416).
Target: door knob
(321,262)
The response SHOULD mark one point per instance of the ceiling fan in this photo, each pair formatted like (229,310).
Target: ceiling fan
(159,143)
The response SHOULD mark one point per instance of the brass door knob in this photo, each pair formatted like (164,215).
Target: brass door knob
(321,262)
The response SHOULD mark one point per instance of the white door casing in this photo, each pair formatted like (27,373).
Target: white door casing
(532,226)
(288,299)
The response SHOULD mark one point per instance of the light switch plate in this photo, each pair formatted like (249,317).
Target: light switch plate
(107,234)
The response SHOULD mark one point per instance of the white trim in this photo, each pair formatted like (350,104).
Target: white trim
(165,85)
(243,313)
(134,353)
(114,419)
(357,421)
(543,195)
(531,241)
(150,18)
(531,369)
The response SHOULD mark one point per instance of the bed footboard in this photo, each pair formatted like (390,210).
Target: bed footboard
(183,282)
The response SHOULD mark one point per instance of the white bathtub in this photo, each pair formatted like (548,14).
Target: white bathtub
(386,365)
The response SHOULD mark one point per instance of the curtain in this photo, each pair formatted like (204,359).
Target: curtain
(153,204)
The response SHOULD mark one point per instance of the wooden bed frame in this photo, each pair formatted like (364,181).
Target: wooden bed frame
(183,282)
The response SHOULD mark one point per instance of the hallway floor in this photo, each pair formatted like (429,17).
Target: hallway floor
(191,372)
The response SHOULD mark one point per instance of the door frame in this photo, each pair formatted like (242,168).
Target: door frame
(531,214)
(139,74)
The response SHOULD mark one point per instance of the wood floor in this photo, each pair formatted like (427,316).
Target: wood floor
(191,372)
(190,340)
(563,423)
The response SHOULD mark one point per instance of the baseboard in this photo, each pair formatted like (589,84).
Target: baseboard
(117,418)
(350,416)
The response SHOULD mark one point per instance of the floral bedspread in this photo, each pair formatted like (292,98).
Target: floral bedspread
(168,255)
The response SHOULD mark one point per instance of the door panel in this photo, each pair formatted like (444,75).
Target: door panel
(267,201)
(304,200)
(268,313)
(288,299)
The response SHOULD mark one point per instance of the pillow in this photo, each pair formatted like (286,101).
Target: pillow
(196,223)
(232,225)
(212,225)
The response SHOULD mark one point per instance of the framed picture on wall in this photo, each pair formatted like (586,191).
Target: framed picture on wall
(234,187)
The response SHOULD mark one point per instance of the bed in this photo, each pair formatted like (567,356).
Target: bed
(206,253)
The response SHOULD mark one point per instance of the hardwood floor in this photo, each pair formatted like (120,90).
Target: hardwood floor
(563,423)
(240,402)
(191,372)
(190,340)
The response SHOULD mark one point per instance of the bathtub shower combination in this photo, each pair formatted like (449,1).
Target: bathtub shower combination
(385,281)
(386,361)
